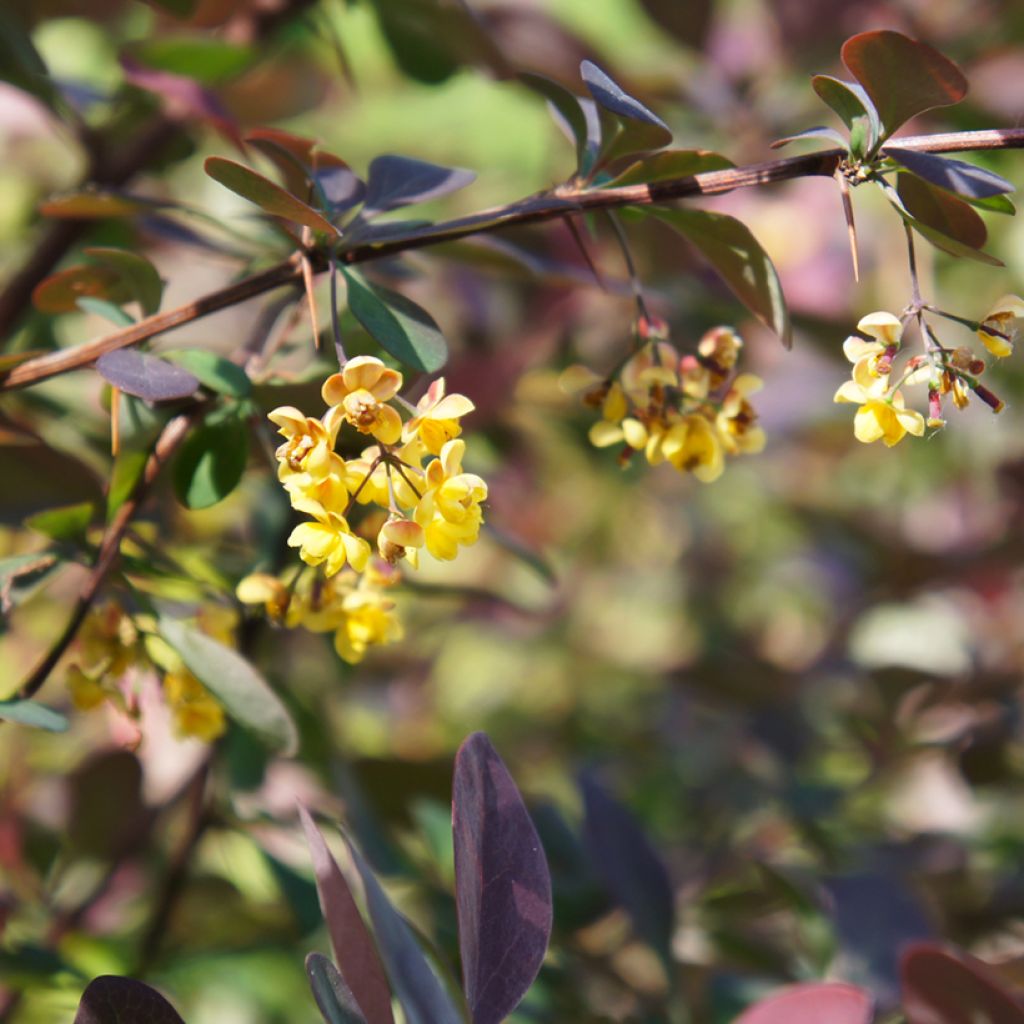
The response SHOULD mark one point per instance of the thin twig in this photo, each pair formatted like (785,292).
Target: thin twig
(535,210)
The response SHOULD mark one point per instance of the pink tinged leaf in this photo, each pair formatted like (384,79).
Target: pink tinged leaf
(113,1000)
(948,986)
(270,198)
(502,884)
(812,1003)
(145,376)
(354,948)
(902,76)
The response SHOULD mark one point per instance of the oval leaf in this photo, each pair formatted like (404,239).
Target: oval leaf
(812,1003)
(397,324)
(93,205)
(353,947)
(566,109)
(138,273)
(395,181)
(829,134)
(27,712)
(728,245)
(245,694)
(502,884)
(855,109)
(953,175)
(212,371)
(265,194)
(902,76)
(112,1000)
(610,95)
(333,997)
(60,292)
(672,163)
(623,857)
(423,997)
(100,307)
(68,522)
(211,462)
(145,376)
(943,986)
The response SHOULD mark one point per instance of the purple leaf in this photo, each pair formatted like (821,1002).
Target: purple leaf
(812,1003)
(354,949)
(113,1000)
(502,884)
(610,95)
(944,986)
(395,181)
(953,175)
(623,857)
(566,109)
(145,376)
(341,187)
(902,76)
(334,998)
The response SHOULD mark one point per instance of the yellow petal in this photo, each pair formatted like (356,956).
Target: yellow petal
(883,327)
(850,392)
(577,377)
(867,425)
(635,433)
(388,429)
(855,348)
(602,434)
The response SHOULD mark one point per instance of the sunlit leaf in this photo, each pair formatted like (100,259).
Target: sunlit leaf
(397,324)
(902,76)
(948,986)
(211,461)
(855,109)
(68,522)
(502,884)
(395,181)
(354,949)
(28,712)
(145,376)
(812,1003)
(610,95)
(137,271)
(100,307)
(128,468)
(993,204)
(212,371)
(265,194)
(112,1000)
(246,696)
(828,134)
(728,245)
(334,998)
(671,163)
(203,58)
(964,179)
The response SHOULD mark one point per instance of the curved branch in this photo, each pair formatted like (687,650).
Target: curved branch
(533,210)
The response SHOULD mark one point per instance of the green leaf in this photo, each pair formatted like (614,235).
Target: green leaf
(140,275)
(208,61)
(333,997)
(20,63)
(566,107)
(27,712)
(265,194)
(212,371)
(69,522)
(397,324)
(993,204)
(671,163)
(179,8)
(100,307)
(855,109)
(245,694)
(828,134)
(21,574)
(728,245)
(128,467)
(211,462)
(902,76)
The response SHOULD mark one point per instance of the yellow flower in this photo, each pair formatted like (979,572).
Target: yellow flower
(269,591)
(109,641)
(302,435)
(330,542)
(86,692)
(399,538)
(880,418)
(737,419)
(369,621)
(194,710)
(885,328)
(1003,317)
(693,446)
(360,391)
(437,418)
(653,368)
(449,511)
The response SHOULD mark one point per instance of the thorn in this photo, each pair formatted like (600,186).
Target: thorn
(307,280)
(115,421)
(851,228)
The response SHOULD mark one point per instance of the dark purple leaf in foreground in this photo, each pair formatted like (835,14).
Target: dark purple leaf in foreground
(113,1000)
(623,857)
(354,949)
(395,181)
(610,95)
(334,998)
(502,885)
(812,1003)
(947,986)
(341,187)
(953,175)
(145,376)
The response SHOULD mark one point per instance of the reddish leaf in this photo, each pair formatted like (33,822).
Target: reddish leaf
(145,376)
(296,157)
(395,181)
(944,986)
(354,949)
(60,292)
(93,205)
(812,1003)
(136,271)
(902,76)
(265,194)
(502,884)
(113,1000)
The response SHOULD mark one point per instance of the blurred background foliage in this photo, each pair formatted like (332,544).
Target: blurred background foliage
(803,680)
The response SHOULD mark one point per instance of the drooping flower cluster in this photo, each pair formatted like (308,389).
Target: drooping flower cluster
(112,642)
(413,474)
(691,411)
(882,414)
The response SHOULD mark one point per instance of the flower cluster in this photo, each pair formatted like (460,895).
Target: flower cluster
(110,644)
(882,414)
(414,476)
(688,410)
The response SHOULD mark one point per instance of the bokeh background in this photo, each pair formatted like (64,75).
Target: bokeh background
(803,680)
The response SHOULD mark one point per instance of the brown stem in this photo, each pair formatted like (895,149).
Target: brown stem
(528,211)
(167,443)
